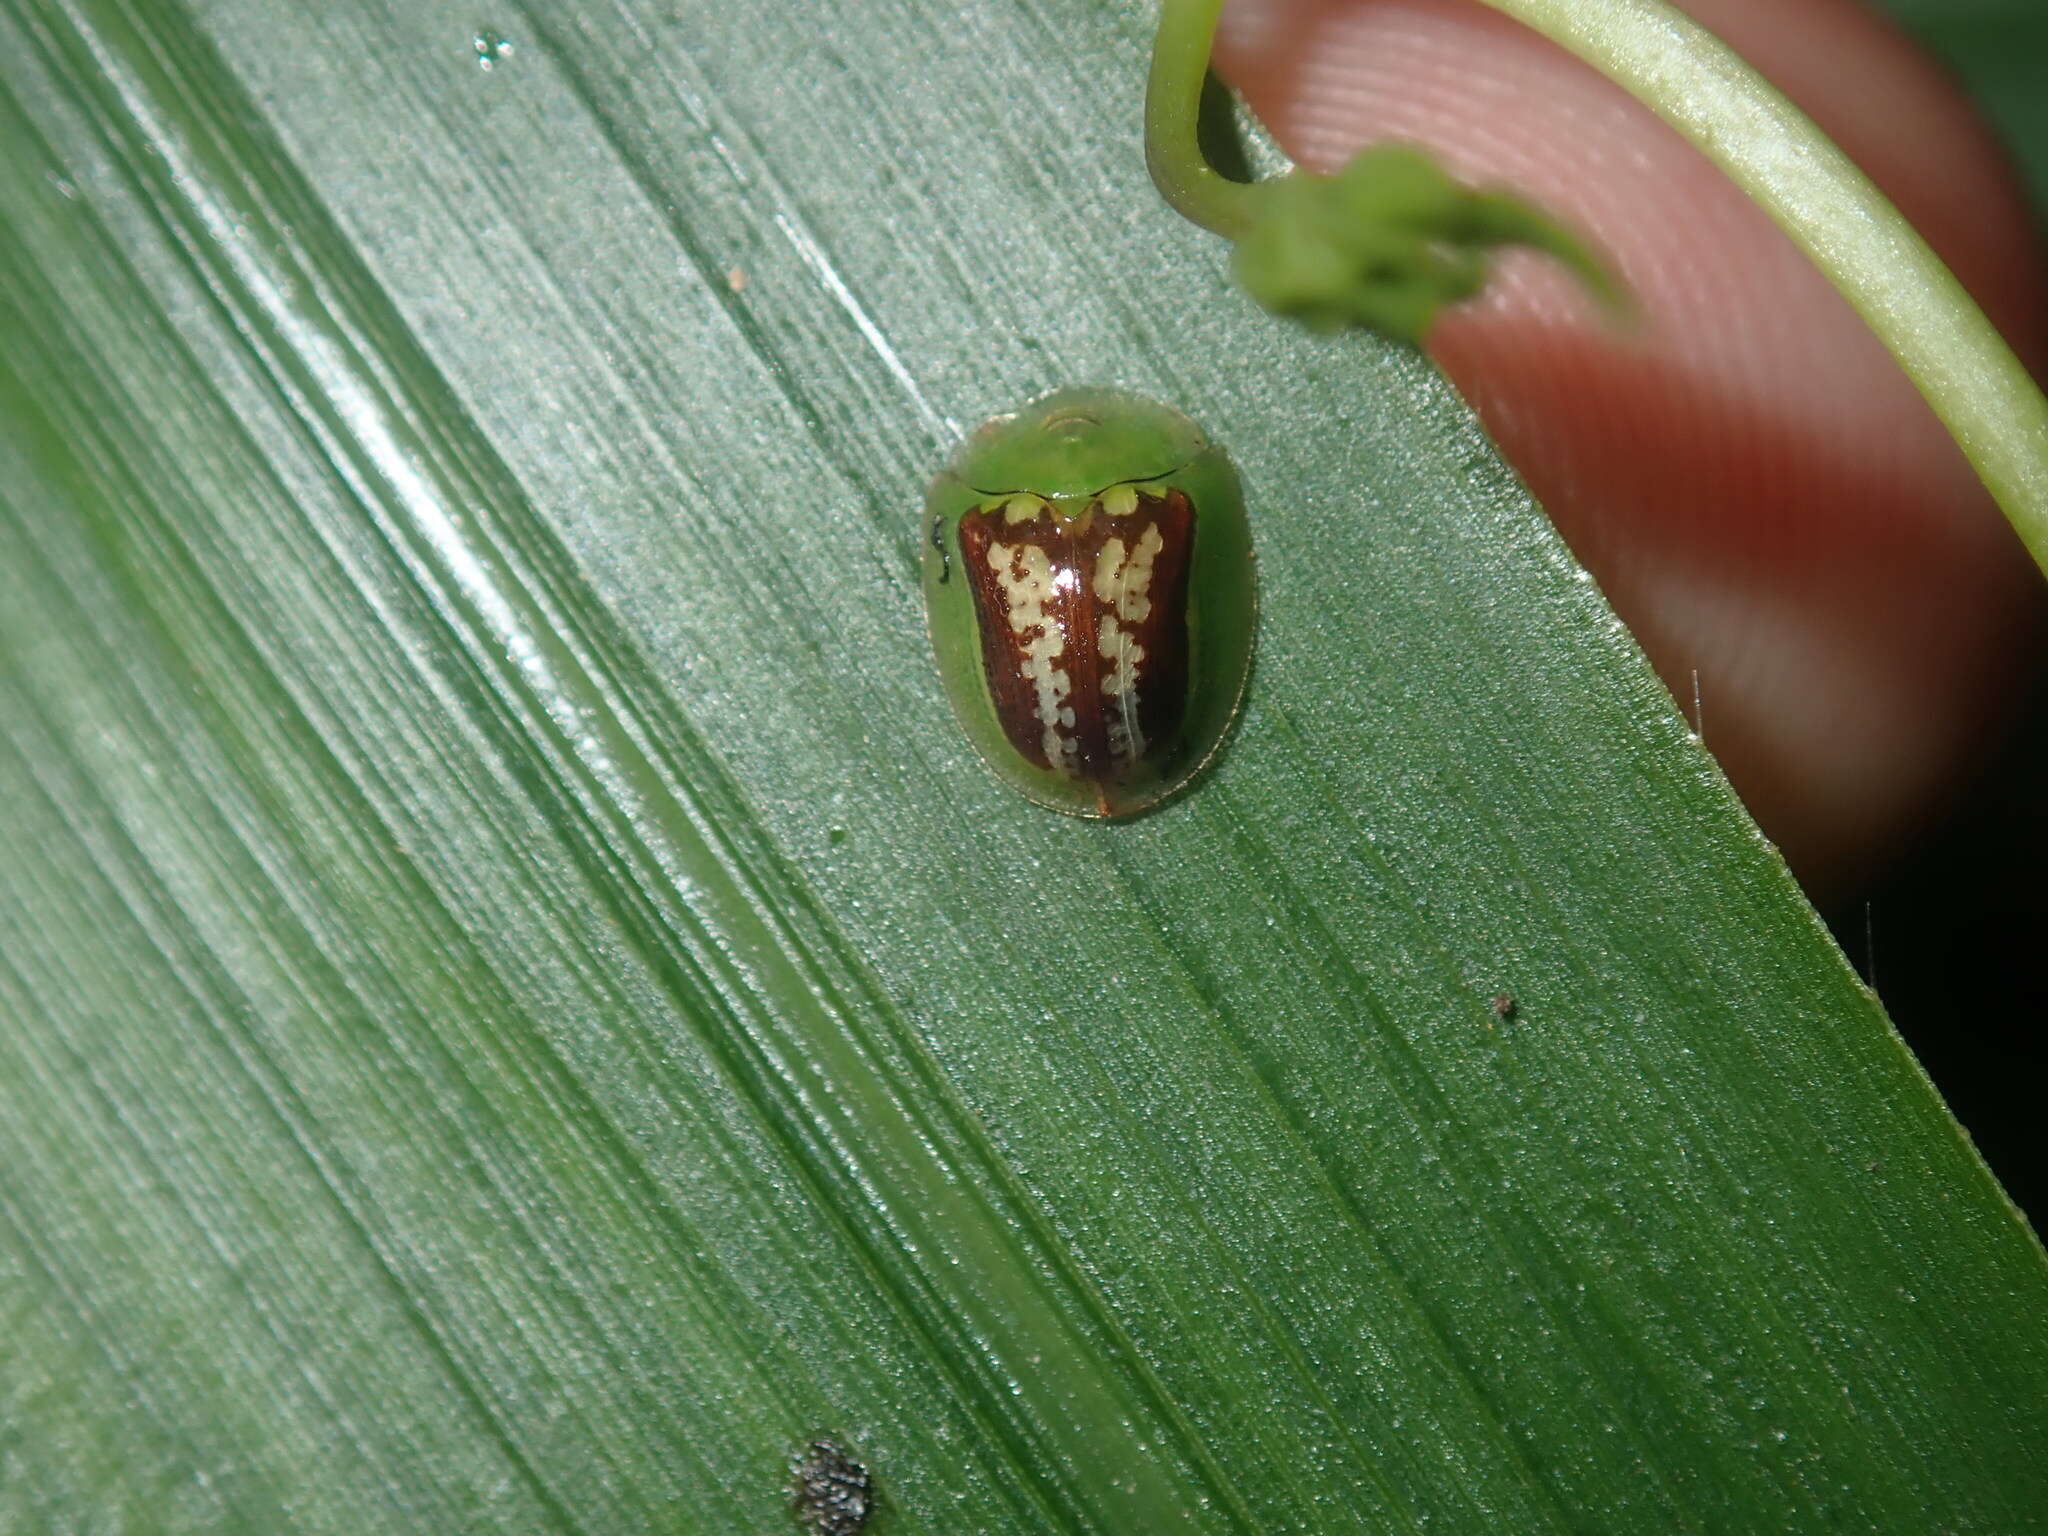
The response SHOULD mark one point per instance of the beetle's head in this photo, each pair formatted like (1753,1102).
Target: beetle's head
(1076,442)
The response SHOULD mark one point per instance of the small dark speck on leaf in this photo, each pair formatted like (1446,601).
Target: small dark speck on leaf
(1504,1007)
(834,1494)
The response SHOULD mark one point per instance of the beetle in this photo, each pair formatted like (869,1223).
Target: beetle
(1089,585)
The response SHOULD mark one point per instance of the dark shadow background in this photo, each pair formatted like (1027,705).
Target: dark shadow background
(1957,935)
(1953,941)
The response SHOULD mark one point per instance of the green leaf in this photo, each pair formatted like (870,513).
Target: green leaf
(517,1007)
(1389,241)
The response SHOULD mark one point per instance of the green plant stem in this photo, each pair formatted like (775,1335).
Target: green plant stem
(1173,104)
(1879,262)
(1700,86)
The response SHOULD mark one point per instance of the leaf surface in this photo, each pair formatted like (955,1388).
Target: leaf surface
(518,1007)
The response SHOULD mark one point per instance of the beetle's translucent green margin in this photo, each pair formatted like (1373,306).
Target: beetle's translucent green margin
(1694,82)
(1135,442)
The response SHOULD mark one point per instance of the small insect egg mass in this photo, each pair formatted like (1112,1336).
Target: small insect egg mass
(1089,584)
(833,1494)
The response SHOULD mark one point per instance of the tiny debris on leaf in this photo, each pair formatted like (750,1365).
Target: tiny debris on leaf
(834,1494)
(1504,1007)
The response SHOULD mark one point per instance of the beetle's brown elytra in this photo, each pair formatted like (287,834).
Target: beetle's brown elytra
(1084,627)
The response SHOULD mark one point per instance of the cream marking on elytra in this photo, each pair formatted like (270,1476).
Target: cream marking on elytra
(1022,509)
(1120,500)
(1123,580)
(1028,584)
